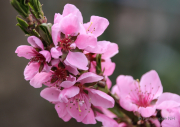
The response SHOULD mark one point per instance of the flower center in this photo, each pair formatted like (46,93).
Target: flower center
(142,99)
(66,42)
(38,58)
(59,75)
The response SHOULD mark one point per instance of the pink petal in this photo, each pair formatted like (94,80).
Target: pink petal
(70,82)
(68,93)
(156,122)
(70,68)
(112,50)
(115,90)
(89,77)
(71,9)
(108,67)
(25,51)
(56,33)
(106,121)
(39,79)
(108,113)
(100,48)
(62,112)
(77,59)
(84,40)
(70,25)
(57,18)
(108,82)
(147,112)
(89,119)
(56,52)
(79,106)
(35,42)
(151,83)
(170,123)
(127,85)
(93,67)
(31,70)
(127,104)
(168,101)
(50,94)
(55,62)
(99,24)
(99,98)
(46,54)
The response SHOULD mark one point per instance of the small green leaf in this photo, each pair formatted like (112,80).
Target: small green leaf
(22,22)
(45,32)
(22,29)
(98,64)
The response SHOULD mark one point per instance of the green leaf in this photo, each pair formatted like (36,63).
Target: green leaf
(45,32)
(22,22)
(37,8)
(21,7)
(98,62)
(22,29)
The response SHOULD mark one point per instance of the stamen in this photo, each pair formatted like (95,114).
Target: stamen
(89,26)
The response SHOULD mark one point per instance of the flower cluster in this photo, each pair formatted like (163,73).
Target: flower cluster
(68,66)
(74,67)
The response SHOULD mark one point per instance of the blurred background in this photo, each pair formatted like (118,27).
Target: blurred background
(148,35)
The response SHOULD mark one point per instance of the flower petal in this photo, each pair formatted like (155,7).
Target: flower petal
(100,48)
(46,54)
(89,119)
(31,70)
(168,101)
(69,8)
(79,106)
(151,83)
(35,42)
(56,52)
(39,79)
(62,112)
(77,59)
(89,77)
(70,82)
(85,40)
(70,25)
(57,18)
(108,82)
(112,50)
(70,68)
(99,98)
(51,94)
(25,51)
(147,112)
(56,33)
(126,84)
(97,25)
(106,121)
(127,104)
(68,93)
(108,67)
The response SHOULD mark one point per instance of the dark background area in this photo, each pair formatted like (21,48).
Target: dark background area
(148,35)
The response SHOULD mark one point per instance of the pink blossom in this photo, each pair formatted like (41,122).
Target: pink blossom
(139,96)
(69,33)
(97,25)
(58,76)
(78,99)
(36,54)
